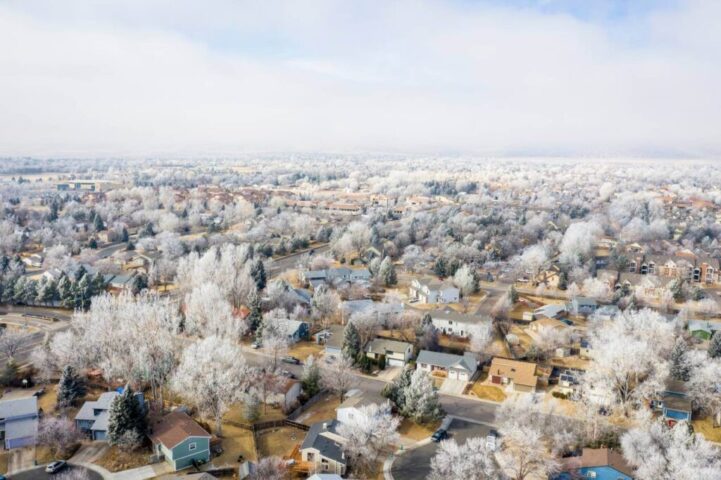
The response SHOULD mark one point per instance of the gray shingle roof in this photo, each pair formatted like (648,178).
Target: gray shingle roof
(327,447)
(381,345)
(19,407)
(448,360)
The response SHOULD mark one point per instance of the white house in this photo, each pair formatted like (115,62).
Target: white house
(323,447)
(434,291)
(396,353)
(456,367)
(286,394)
(450,322)
(356,399)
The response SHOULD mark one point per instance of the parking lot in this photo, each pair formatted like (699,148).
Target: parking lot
(416,463)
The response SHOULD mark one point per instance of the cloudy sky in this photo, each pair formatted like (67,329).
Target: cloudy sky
(514,77)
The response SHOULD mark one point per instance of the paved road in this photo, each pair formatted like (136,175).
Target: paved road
(416,463)
(39,474)
(40,327)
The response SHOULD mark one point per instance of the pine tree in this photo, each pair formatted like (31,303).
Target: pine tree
(71,387)
(680,369)
(439,267)
(395,391)
(258,274)
(426,320)
(8,291)
(98,223)
(139,283)
(124,237)
(714,348)
(9,374)
(251,407)
(310,379)
(351,342)
(126,419)
(255,317)
(513,294)
(97,285)
(65,292)
(387,272)
(83,293)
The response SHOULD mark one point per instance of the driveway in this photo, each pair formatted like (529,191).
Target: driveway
(389,373)
(452,386)
(90,452)
(416,463)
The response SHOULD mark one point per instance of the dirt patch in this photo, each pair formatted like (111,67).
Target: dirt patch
(236,413)
(705,427)
(116,460)
(279,441)
(414,431)
(323,409)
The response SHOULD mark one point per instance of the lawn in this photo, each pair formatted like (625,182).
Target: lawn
(47,401)
(279,441)
(116,460)
(414,431)
(323,409)
(706,428)
(488,392)
(235,442)
(303,350)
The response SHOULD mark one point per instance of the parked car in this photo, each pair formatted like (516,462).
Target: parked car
(56,466)
(255,345)
(440,434)
(492,440)
(290,359)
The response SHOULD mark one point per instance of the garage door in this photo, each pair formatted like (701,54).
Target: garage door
(463,376)
(453,375)
(394,362)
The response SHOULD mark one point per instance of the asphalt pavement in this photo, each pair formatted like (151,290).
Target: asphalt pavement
(40,474)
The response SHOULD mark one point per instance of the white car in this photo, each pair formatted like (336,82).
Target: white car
(492,440)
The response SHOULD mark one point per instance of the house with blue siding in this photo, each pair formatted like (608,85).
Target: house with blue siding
(674,403)
(19,422)
(92,418)
(598,464)
(180,441)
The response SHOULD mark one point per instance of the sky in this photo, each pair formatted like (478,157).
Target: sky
(586,78)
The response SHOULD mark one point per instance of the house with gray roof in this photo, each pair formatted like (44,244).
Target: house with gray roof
(456,367)
(323,447)
(335,276)
(450,322)
(92,418)
(434,291)
(395,353)
(19,422)
(355,400)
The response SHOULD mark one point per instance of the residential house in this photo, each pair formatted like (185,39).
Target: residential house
(550,311)
(519,375)
(596,463)
(456,367)
(19,422)
(180,441)
(92,418)
(434,291)
(325,476)
(703,329)
(356,399)
(286,394)
(545,322)
(674,403)
(34,261)
(606,312)
(335,276)
(323,448)
(450,322)
(582,306)
(333,339)
(295,330)
(395,353)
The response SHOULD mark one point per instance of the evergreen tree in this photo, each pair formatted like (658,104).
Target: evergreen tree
(93,243)
(126,418)
(97,285)
(251,407)
(139,283)
(427,320)
(71,387)
(387,272)
(98,223)
(714,348)
(374,266)
(9,374)
(395,391)
(83,293)
(124,237)
(680,368)
(512,294)
(439,267)
(65,292)
(351,342)
(19,290)
(258,274)
(30,292)
(8,291)
(311,377)
(677,289)
(255,317)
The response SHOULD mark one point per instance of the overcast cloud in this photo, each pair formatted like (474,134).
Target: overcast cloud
(498,78)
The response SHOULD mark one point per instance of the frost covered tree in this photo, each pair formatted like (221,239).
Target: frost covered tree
(481,336)
(270,468)
(212,375)
(660,452)
(679,368)
(59,435)
(273,338)
(421,402)
(387,272)
(208,313)
(466,280)
(310,379)
(351,342)
(12,342)
(578,242)
(324,304)
(338,376)
(714,348)
(470,461)
(127,423)
(368,434)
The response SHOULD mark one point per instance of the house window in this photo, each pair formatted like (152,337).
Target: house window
(310,456)
(192,446)
(652,268)
(632,267)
